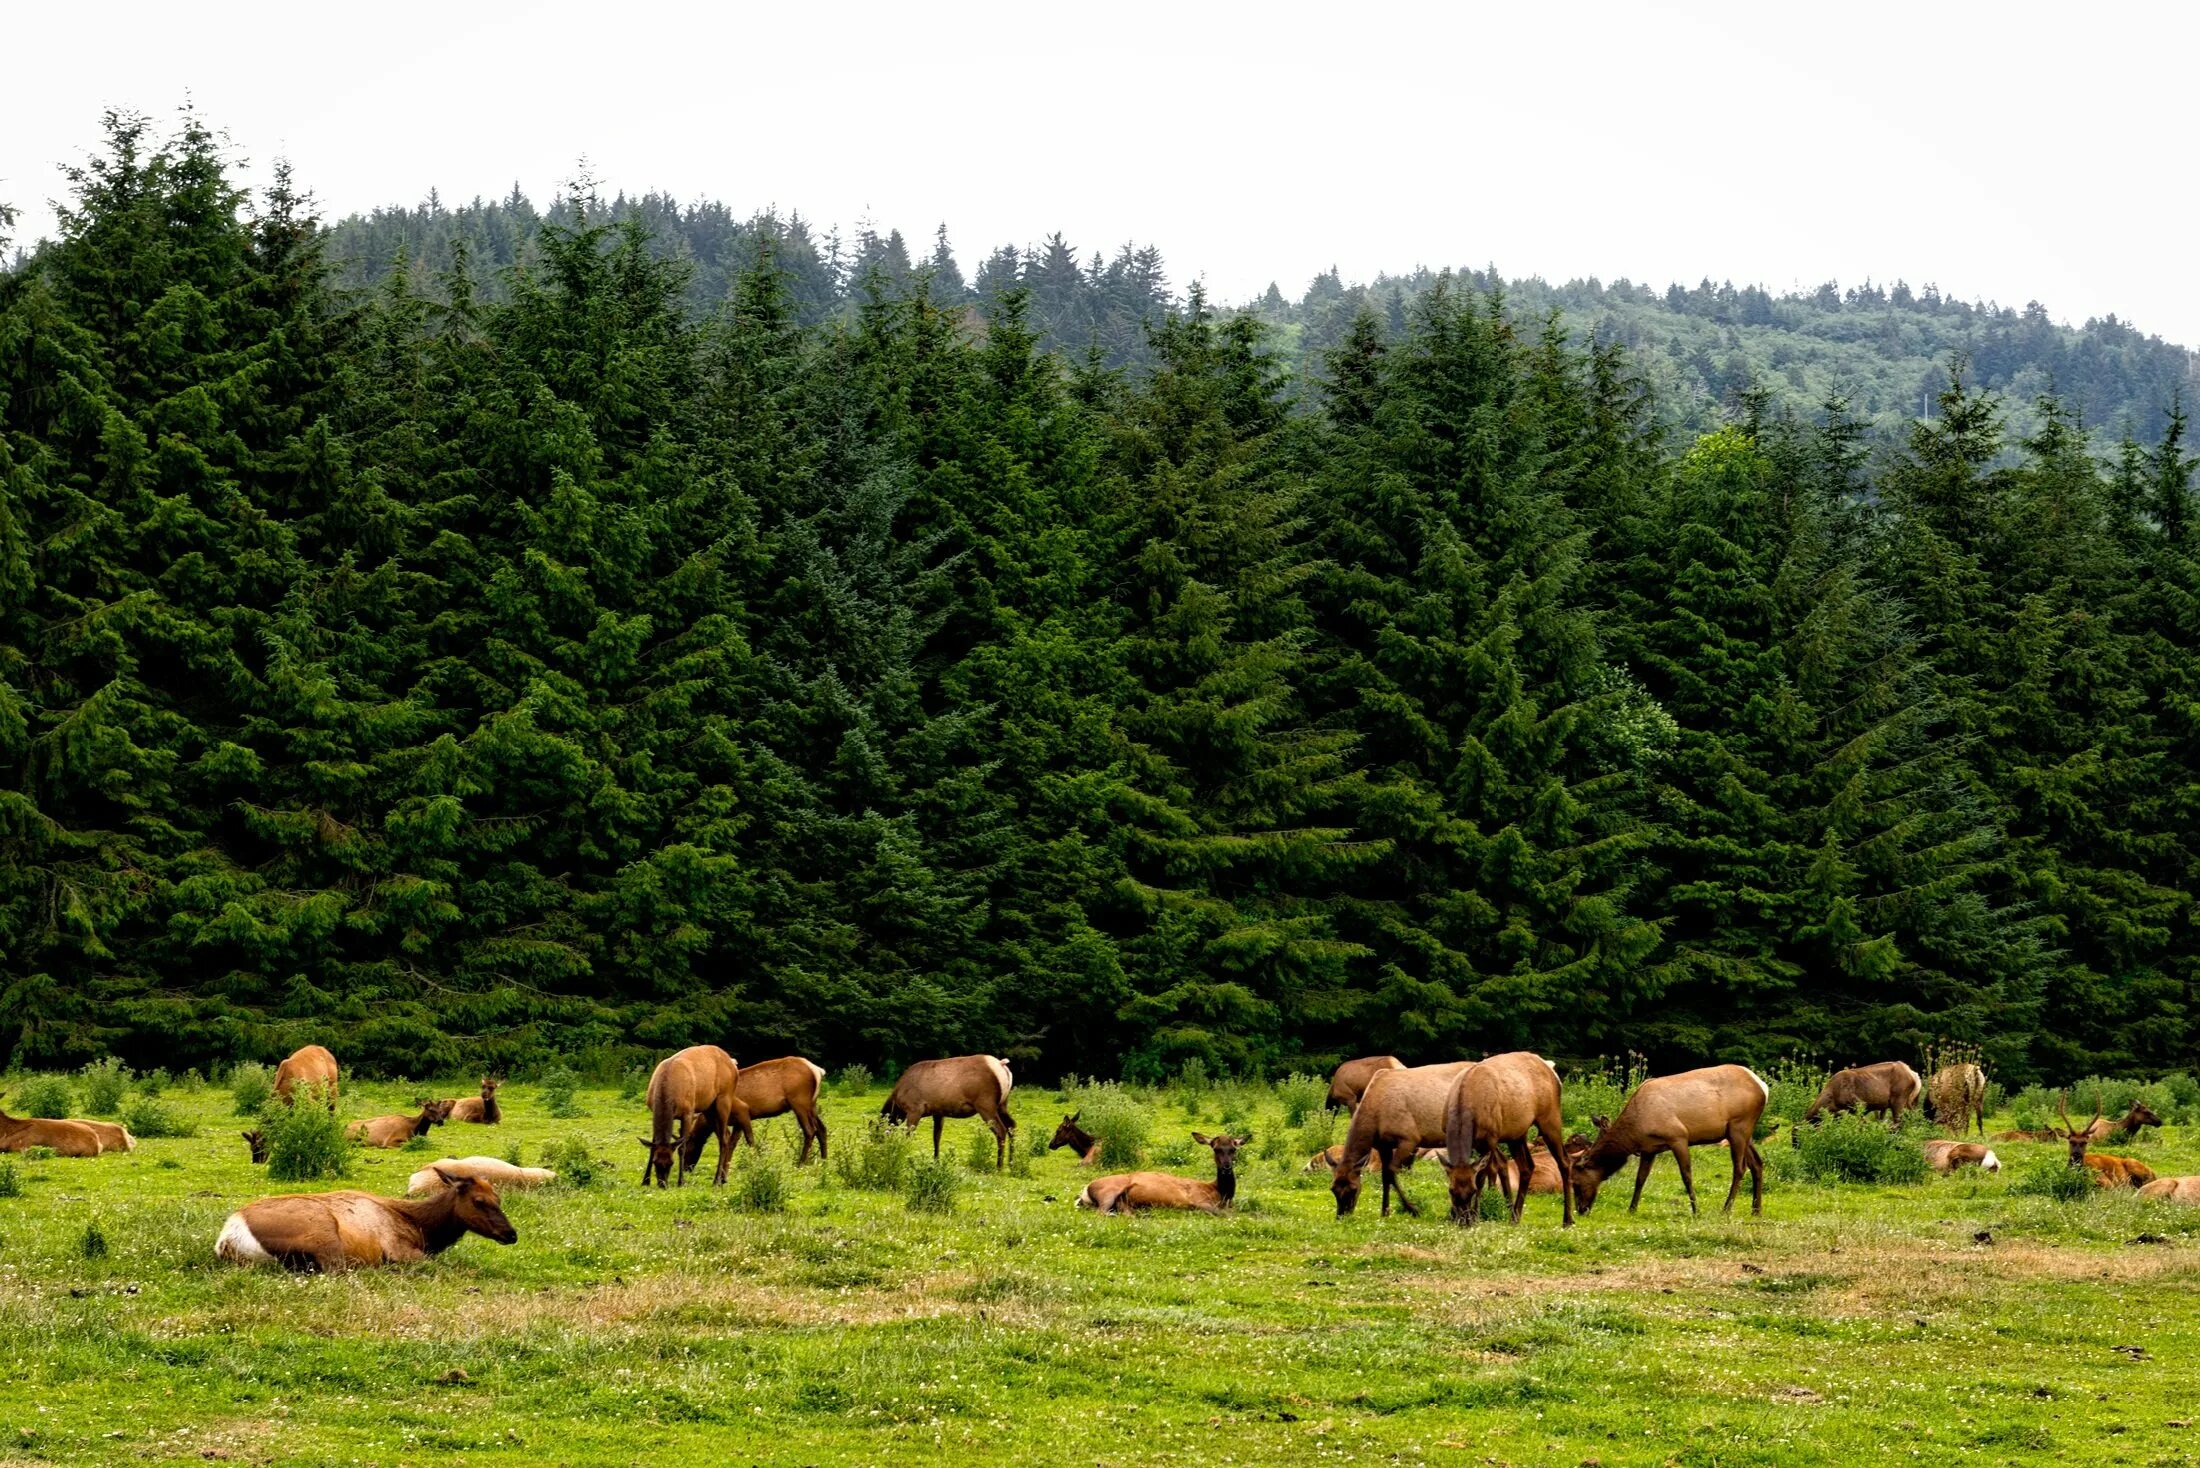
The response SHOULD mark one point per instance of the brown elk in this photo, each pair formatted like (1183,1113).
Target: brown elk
(308,1067)
(1350,1081)
(1886,1087)
(964,1085)
(2127,1127)
(1401,1112)
(1697,1108)
(1957,1094)
(1492,1106)
(112,1138)
(697,1088)
(1946,1157)
(1081,1143)
(1126,1192)
(1327,1159)
(325,1231)
(2172,1190)
(2109,1172)
(257,1141)
(396,1131)
(482,1109)
(66,1138)
(776,1087)
(489,1169)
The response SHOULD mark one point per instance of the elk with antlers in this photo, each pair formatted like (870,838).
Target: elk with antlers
(2109,1172)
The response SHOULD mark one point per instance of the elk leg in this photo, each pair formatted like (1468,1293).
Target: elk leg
(1554,1142)
(738,1112)
(937,1123)
(818,1121)
(1524,1159)
(1756,1179)
(1642,1175)
(1738,1144)
(1688,1172)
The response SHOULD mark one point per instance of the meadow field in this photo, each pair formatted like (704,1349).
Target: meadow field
(813,1316)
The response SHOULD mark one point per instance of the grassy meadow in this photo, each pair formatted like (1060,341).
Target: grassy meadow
(802,1317)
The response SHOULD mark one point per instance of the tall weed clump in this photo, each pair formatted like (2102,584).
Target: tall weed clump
(102,1083)
(1117,1118)
(47,1097)
(1851,1147)
(560,1092)
(149,1116)
(306,1140)
(251,1087)
(932,1185)
(878,1160)
(1302,1095)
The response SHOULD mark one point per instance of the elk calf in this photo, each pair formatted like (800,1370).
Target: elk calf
(964,1085)
(396,1131)
(1126,1192)
(66,1138)
(1081,1143)
(325,1231)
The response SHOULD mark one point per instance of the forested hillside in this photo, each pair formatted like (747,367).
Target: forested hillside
(601,662)
(1884,349)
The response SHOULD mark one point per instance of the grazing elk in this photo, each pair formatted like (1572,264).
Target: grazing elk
(482,1110)
(1350,1081)
(1884,1088)
(308,1067)
(2109,1172)
(66,1138)
(1957,1094)
(1401,1112)
(775,1087)
(489,1169)
(257,1141)
(325,1231)
(1081,1143)
(2172,1190)
(1492,1106)
(697,1088)
(1946,1157)
(396,1131)
(964,1085)
(1127,1192)
(1697,1108)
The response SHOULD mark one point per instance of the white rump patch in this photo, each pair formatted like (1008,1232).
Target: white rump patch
(818,1071)
(129,1143)
(1084,1199)
(236,1242)
(1762,1089)
(1000,1073)
(1549,1067)
(1990,1163)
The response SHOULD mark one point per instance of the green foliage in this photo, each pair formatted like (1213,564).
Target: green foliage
(574,1164)
(560,1091)
(306,1140)
(47,1096)
(102,1083)
(92,1243)
(154,1081)
(515,1153)
(979,1151)
(2056,1179)
(853,1079)
(149,1116)
(1302,1095)
(1600,1092)
(878,1160)
(634,1083)
(1114,1114)
(251,1087)
(11,1181)
(1851,1147)
(759,1182)
(932,1185)
(1790,1087)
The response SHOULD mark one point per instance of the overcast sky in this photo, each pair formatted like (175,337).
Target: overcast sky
(2007,151)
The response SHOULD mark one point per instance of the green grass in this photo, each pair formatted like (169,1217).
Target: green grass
(1852,1323)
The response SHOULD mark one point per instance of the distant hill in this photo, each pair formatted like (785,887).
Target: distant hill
(1886,349)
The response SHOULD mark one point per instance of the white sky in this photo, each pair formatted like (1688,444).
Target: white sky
(2007,151)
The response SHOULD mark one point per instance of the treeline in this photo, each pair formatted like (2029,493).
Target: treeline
(1883,350)
(463,678)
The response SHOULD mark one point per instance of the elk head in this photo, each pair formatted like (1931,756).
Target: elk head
(489,1086)
(1225,1148)
(662,1155)
(1344,1183)
(474,1203)
(2079,1138)
(1068,1134)
(257,1141)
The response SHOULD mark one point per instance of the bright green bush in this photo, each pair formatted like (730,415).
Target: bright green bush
(574,1164)
(1114,1115)
(1302,1096)
(251,1087)
(2056,1179)
(11,1182)
(306,1140)
(154,1081)
(1851,1147)
(102,1083)
(759,1182)
(92,1243)
(979,1151)
(932,1185)
(853,1080)
(46,1096)
(149,1116)
(560,1090)
(878,1160)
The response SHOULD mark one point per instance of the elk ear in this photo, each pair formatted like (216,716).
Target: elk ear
(1201,1138)
(1075,1114)
(450,1180)
(1246,1140)
(652,1146)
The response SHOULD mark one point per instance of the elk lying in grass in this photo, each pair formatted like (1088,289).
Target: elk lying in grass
(1081,1143)
(2127,1127)
(309,1067)
(482,1110)
(396,1131)
(1888,1088)
(1127,1192)
(2172,1190)
(325,1231)
(696,1089)
(1721,1103)
(493,1170)
(1350,1081)
(66,1138)
(963,1085)
(2109,1172)
(1327,1159)
(112,1138)
(1493,1105)
(1946,1157)
(1401,1112)
(1957,1094)
(776,1087)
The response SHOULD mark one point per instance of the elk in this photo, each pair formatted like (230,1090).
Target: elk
(776,1087)
(112,1138)
(257,1141)
(1889,1086)
(396,1131)
(1081,1143)
(1401,1112)
(2126,1128)
(698,1087)
(1350,1081)
(1327,1159)
(311,1232)
(965,1085)
(489,1169)
(1958,1097)
(2172,1190)
(1946,1157)
(1721,1103)
(2109,1172)
(1127,1192)
(308,1066)
(66,1138)
(483,1109)
(1492,1106)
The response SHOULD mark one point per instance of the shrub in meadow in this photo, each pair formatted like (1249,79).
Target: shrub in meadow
(853,1080)
(1114,1115)
(2056,1179)
(634,1084)
(154,1081)
(45,1096)
(560,1089)
(1302,1095)
(150,1116)
(759,1182)
(1193,1082)
(2184,1098)
(101,1084)
(1851,1147)
(11,1182)
(574,1164)
(92,1243)
(978,1150)
(251,1087)
(305,1140)
(514,1152)
(932,1185)
(2033,1108)
(878,1160)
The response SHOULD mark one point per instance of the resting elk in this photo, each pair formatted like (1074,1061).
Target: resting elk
(1327,1159)
(2172,1190)
(66,1138)
(1350,1081)
(489,1169)
(2109,1172)
(325,1231)
(1958,1097)
(696,1089)
(308,1067)
(1127,1192)
(396,1131)
(1082,1144)
(1401,1112)
(964,1085)
(1493,1104)
(112,1138)
(1697,1108)
(1946,1157)
(1881,1089)
(483,1109)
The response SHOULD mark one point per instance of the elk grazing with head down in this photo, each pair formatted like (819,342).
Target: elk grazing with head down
(1886,1088)
(1350,1080)
(257,1141)
(691,1094)
(310,1067)
(776,1087)
(1957,1094)
(66,1138)
(1493,1105)
(396,1131)
(2109,1172)
(482,1109)
(1083,1145)
(326,1231)
(1697,1108)
(1401,1112)
(1129,1192)
(963,1085)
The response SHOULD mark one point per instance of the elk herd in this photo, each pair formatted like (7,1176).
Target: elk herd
(1495,1120)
